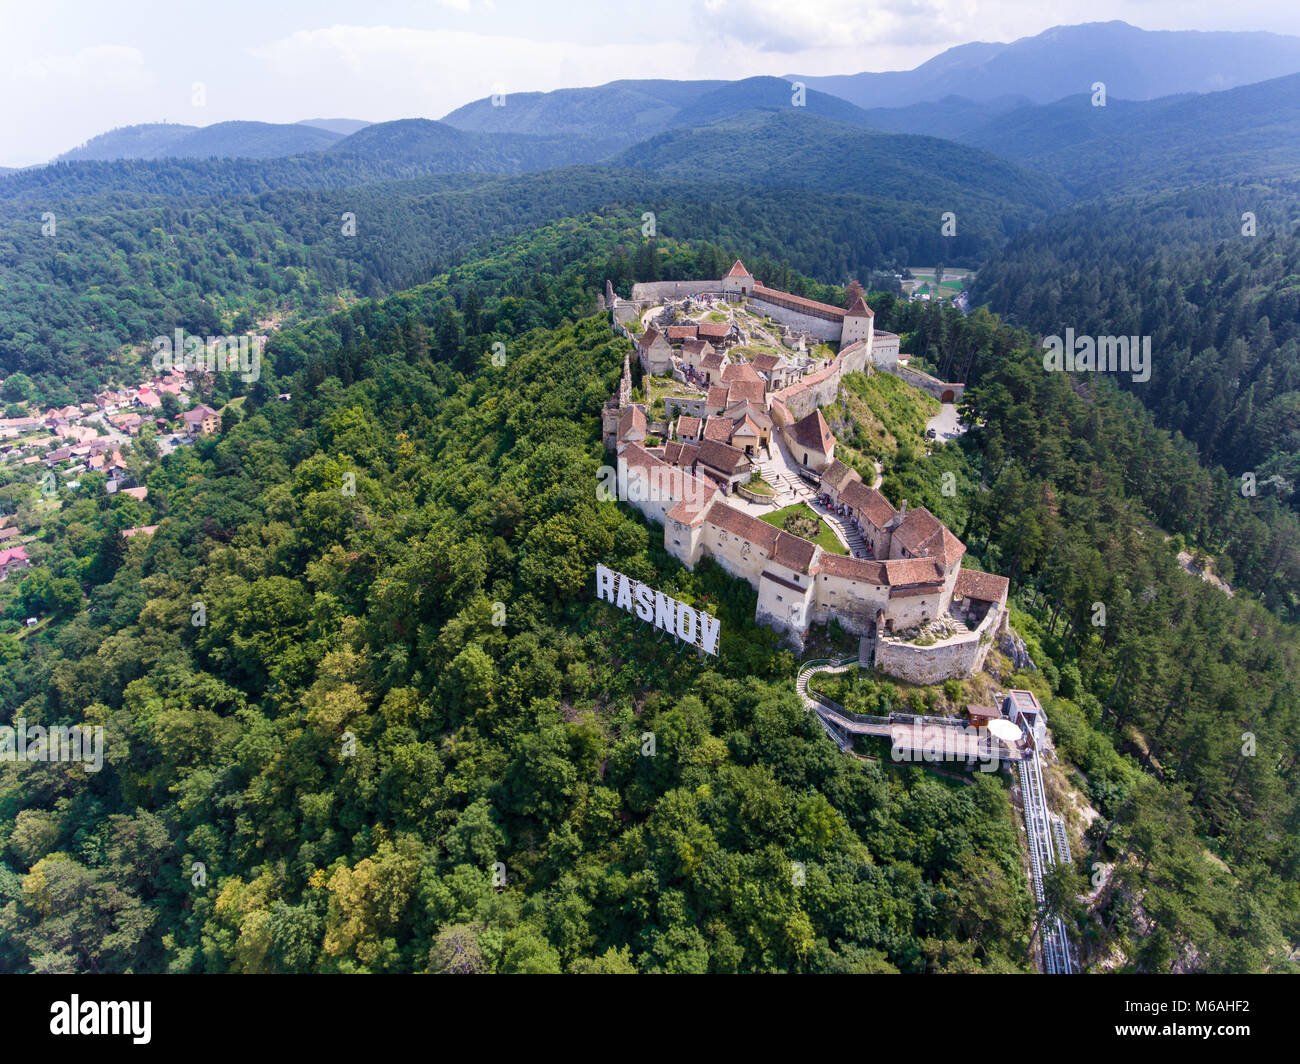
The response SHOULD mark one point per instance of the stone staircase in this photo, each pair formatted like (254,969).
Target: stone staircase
(789,487)
(845,531)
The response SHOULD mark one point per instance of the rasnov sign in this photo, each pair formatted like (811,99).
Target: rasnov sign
(692,626)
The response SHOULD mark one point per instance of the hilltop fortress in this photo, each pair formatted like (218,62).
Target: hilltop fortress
(923,616)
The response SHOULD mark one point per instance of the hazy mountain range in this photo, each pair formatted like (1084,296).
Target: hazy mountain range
(1134,64)
(961,94)
(763,130)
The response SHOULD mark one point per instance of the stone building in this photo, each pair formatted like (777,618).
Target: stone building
(917,578)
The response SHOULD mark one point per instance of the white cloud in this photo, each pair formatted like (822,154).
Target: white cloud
(400,72)
(55,100)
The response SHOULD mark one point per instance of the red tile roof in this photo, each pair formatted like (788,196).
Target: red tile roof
(859,309)
(632,426)
(718,428)
(904,572)
(841,565)
(987,587)
(757,532)
(722,457)
(794,552)
(924,535)
(811,431)
(738,270)
(745,392)
(868,502)
(740,371)
(775,295)
(717,397)
(650,337)
(688,427)
(837,475)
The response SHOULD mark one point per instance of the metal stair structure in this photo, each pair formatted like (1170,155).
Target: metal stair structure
(1047,840)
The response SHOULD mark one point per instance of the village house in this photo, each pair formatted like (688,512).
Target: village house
(201,420)
(12,560)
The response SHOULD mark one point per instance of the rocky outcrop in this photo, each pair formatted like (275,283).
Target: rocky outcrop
(1014,648)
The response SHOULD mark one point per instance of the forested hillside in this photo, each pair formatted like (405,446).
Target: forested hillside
(506,740)
(476,742)
(120,273)
(793,150)
(1173,142)
(228,140)
(1222,308)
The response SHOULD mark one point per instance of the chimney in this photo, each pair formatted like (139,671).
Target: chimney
(902,508)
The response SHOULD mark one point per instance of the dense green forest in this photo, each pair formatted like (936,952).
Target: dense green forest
(113,275)
(332,616)
(1104,149)
(1218,293)
(406,738)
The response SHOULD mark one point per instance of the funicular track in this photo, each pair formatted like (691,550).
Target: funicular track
(1047,841)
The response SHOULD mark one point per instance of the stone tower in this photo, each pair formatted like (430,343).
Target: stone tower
(615,405)
(625,385)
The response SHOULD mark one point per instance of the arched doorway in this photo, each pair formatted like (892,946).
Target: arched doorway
(947,396)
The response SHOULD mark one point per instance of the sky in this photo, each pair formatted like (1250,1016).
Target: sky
(70,69)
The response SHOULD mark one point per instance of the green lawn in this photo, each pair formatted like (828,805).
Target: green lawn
(825,538)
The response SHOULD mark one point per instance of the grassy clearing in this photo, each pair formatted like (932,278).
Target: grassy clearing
(824,538)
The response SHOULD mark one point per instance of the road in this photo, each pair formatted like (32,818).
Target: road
(945,423)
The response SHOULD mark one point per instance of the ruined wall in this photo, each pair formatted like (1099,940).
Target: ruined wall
(959,656)
(819,328)
(928,665)
(908,611)
(856,357)
(737,556)
(810,396)
(683,541)
(656,291)
(690,407)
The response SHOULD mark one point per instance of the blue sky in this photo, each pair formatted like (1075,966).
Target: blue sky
(73,68)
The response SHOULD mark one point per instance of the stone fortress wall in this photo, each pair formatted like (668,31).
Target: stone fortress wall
(916,577)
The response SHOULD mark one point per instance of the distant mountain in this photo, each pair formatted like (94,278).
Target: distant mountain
(1135,64)
(766,94)
(147,141)
(342,126)
(625,112)
(1248,132)
(793,149)
(232,140)
(634,109)
(951,117)
(252,140)
(412,146)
